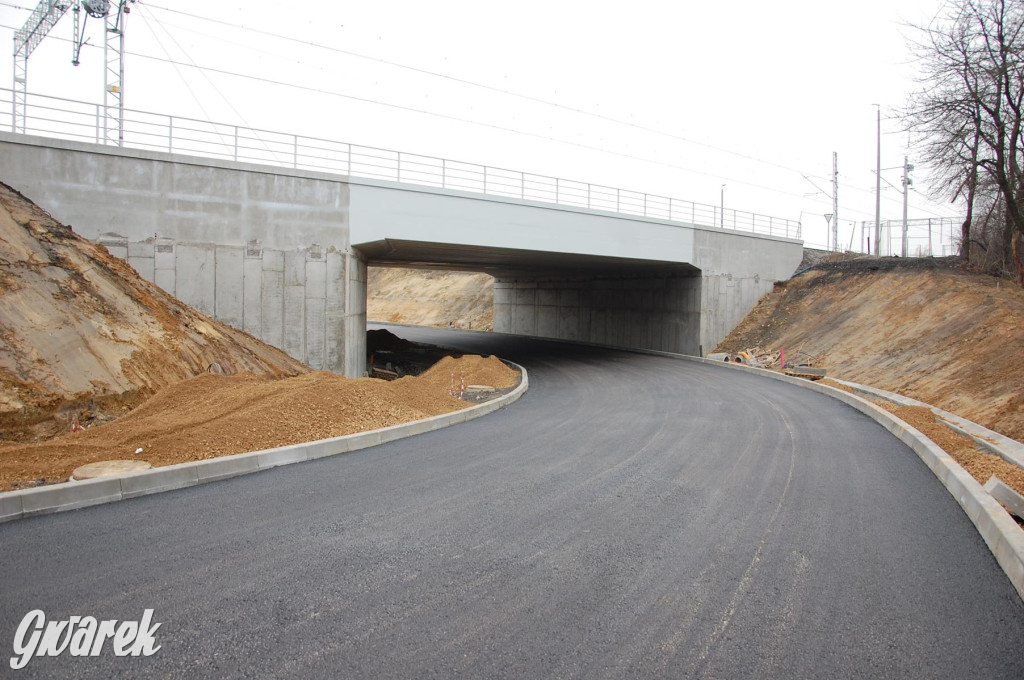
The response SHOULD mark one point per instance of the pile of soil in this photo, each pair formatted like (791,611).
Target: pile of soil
(927,328)
(85,338)
(216,415)
(430,298)
(382,339)
(472,370)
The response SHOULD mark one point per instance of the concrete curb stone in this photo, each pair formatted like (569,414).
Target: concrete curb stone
(73,495)
(1001,445)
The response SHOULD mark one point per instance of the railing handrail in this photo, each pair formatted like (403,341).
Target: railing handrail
(286,149)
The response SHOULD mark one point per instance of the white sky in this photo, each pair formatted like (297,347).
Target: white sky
(754,95)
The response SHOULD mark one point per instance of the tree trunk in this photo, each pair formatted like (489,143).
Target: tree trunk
(1017,265)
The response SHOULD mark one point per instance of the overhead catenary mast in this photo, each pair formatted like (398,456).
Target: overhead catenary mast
(39,24)
(835,202)
(42,19)
(113,74)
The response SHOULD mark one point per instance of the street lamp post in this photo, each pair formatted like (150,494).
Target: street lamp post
(722,206)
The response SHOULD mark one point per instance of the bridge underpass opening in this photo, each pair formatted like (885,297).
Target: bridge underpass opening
(622,302)
(430,297)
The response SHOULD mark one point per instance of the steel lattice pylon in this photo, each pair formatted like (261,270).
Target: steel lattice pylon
(113,78)
(43,18)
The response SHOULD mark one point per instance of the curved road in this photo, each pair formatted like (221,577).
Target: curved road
(630,517)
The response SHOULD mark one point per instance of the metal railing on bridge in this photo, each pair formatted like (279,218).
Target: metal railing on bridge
(84,121)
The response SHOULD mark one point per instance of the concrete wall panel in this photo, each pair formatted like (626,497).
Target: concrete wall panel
(195,276)
(272,306)
(252,292)
(547,322)
(355,316)
(315,331)
(294,321)
(229,281)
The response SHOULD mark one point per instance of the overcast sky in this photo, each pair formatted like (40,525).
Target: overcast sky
(670,98)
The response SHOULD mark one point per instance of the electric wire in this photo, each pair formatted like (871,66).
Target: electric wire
(459,119)
(209,81)
(204,70)
(484,86)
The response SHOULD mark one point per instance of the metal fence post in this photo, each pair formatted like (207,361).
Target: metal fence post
(618,198)
(522,185)
(645,205)
(485,179)
(588,196)
(399,170)
(236,143)
(557,190)
(295,151)
(170,134)
(444,173)
(349,161)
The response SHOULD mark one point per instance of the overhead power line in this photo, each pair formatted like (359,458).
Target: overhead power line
(484,86)
(203,70)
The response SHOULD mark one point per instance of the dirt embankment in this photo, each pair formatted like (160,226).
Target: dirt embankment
(217,415)
(430,298)
(84,337)
(925,328)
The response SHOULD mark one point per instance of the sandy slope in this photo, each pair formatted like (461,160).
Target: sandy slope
(83,334)
(924,328)
(430,298)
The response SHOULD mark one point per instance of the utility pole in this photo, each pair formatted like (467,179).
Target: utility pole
(907,167)
(878,183)
(835,202)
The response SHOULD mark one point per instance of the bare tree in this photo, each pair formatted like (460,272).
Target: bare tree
(970,110)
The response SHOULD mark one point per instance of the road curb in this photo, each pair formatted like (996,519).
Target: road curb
(74,495)
(998,444)
(1001,534)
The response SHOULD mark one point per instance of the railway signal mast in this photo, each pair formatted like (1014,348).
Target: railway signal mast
(39,24)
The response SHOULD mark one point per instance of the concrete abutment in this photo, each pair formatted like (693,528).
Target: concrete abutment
(653,312)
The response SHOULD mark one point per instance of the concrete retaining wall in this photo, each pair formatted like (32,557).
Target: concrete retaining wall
(661,313)
(737,271)
(265,250)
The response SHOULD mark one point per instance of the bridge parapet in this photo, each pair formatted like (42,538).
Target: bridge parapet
(76,120)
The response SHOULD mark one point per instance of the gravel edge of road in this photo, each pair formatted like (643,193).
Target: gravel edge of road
(67,496)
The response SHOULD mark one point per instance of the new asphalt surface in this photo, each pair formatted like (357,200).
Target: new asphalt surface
(630,517)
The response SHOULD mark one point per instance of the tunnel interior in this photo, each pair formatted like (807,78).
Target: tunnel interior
(622,302)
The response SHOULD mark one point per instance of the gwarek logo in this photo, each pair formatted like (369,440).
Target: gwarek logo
(82,636)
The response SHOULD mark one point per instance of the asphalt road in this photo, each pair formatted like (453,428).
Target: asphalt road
(630,517)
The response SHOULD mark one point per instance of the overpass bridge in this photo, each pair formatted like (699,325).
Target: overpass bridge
(273,234)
